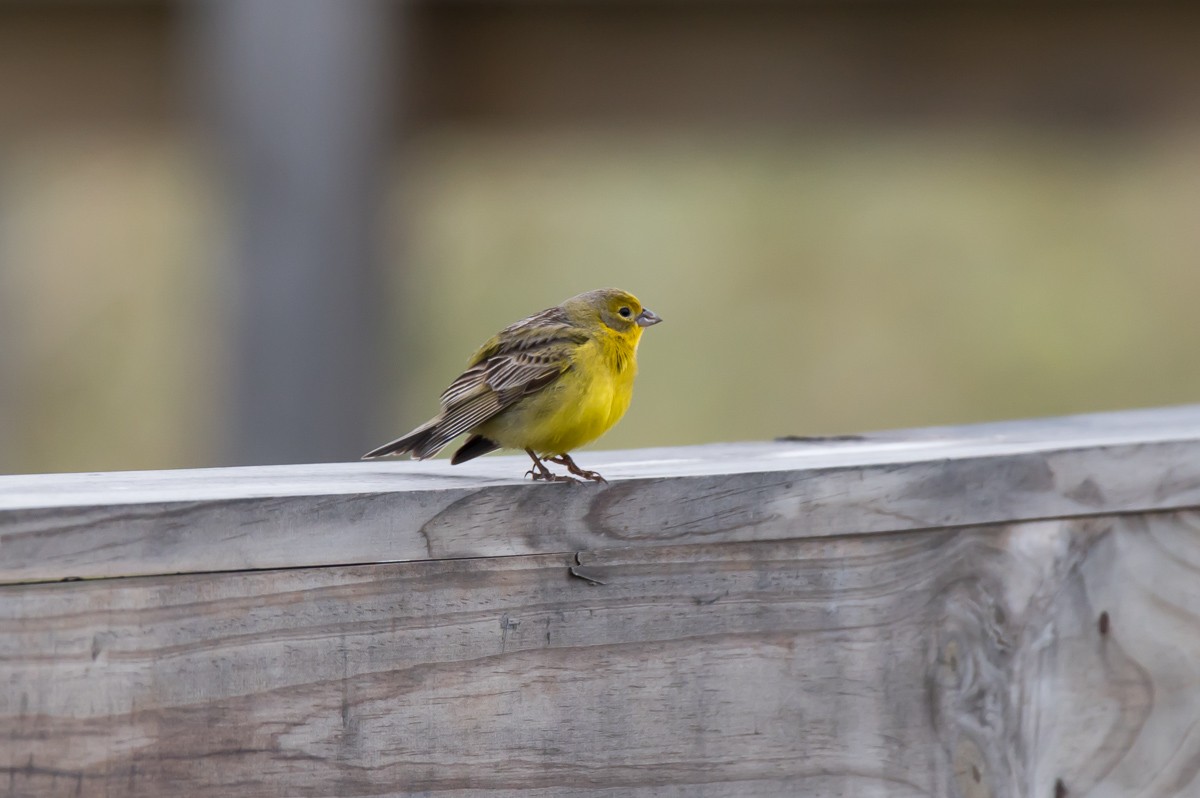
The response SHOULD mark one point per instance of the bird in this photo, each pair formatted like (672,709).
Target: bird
(548,384)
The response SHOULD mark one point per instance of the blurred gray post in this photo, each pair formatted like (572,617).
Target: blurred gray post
(8,365)
(301,92)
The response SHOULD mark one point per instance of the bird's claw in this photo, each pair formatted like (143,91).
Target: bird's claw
(539,472)
(565,460)
(549,476)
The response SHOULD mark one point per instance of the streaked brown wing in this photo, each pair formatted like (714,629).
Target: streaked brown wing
(515,368)
(522,350)
(532,332)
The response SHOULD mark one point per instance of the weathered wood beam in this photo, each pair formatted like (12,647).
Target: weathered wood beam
(742,621)
(957,662)
(124,524)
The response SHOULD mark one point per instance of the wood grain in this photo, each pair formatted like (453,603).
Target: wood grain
(1113,709)
(125,524)
(964,662)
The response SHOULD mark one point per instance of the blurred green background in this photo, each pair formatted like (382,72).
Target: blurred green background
(850,218)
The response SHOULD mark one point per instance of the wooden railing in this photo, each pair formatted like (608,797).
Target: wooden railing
(998,610)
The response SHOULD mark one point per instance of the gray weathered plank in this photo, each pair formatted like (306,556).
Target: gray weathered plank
(105,525)
(964,662)
(1111,705)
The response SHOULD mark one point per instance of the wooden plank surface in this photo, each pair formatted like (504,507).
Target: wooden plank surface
(966,662)
(1108,687)
(143,523)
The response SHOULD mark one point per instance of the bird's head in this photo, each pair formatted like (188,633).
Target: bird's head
(619,311)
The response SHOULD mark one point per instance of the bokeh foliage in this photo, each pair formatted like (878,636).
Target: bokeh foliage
(811,283)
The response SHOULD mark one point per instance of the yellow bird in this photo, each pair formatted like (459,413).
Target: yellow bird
(547,384)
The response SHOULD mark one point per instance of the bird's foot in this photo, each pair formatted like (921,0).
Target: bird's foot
(550,476)
(565,460)
(540,473)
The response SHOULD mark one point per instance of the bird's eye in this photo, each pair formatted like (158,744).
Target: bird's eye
(626,312)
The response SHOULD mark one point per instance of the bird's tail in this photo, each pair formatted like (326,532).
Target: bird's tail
(423,442)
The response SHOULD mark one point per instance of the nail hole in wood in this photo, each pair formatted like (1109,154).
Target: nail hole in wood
(1060,789)
(1104,622)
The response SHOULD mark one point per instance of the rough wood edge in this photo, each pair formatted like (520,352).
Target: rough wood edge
(310,516)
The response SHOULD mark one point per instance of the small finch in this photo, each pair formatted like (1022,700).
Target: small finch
(547,384)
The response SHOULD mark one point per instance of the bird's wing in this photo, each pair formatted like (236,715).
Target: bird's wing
(521,359)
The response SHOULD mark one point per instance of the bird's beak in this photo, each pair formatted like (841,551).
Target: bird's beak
(648,317)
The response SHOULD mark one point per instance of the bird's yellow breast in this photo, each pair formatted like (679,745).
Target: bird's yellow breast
(578,407)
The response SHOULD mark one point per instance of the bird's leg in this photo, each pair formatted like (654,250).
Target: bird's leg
(540,472)
(565,460)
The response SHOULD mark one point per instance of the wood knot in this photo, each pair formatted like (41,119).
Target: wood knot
(969,770)
(950,655)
